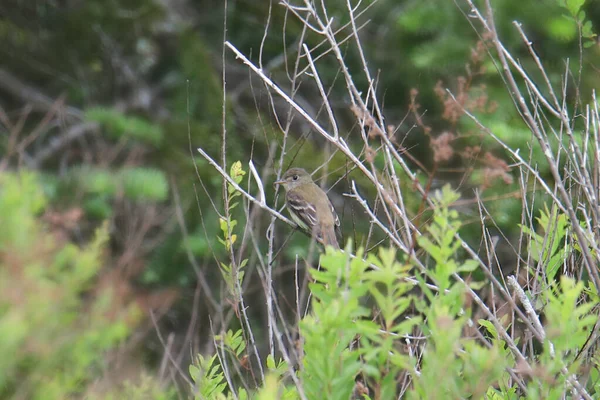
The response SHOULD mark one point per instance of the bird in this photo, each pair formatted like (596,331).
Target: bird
(310,207)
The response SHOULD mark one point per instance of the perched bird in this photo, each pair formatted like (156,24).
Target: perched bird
(310,207)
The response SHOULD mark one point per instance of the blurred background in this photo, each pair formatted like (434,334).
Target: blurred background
(109,218)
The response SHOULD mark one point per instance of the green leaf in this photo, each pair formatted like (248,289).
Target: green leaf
(489,326)
(468,266)
(271,362)
(574,6)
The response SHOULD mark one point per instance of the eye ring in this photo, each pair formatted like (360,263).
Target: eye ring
(295,177)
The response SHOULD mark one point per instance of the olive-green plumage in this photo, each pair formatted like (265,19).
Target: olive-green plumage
(310,207)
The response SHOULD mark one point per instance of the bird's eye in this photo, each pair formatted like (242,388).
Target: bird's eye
(295,177)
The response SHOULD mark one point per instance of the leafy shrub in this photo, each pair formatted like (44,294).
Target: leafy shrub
(408,345)
(56,326)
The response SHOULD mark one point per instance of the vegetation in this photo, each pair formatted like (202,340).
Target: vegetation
(144,254)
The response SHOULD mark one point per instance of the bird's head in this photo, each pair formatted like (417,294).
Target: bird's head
(294,177)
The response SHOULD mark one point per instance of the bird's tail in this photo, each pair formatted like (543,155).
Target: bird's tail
(329,237)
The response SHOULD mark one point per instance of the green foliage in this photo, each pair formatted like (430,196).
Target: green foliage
(233,342)
(330,365)
(145,184)
(577,17)
(452,366)
(232,274)
(270,390)
(569,321)
(209,380)
(96,181)
(342,339)
(380,344)
(119,125)
(110,52)
(53,340)
(21,199)
(442,246)
(551,249)
(101,185)
(98,188)
(276,367)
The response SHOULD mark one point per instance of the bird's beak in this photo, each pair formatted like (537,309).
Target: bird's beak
(278,183)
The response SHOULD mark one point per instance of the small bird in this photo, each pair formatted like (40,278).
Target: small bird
(310,207)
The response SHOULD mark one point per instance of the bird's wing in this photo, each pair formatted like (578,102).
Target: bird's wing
(336,219)
(306,212)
